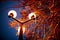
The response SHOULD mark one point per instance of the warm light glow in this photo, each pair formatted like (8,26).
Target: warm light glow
(14,13)
(32,14)
(19,30)
(23,30)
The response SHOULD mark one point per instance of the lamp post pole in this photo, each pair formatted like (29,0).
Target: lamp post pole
(21,33)
(21,30)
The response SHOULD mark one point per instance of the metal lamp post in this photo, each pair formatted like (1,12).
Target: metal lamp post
(21,30)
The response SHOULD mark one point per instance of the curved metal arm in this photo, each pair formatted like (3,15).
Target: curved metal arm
(22,22)
(15,19)
(29,20)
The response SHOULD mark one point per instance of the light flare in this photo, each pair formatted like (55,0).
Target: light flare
(32,14)
(13,12)
(23,30)
(19,30)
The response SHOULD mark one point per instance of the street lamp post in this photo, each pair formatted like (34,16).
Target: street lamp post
(21,30)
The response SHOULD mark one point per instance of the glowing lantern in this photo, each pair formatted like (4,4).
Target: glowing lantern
(12,13)
(32,14)
(23,30)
